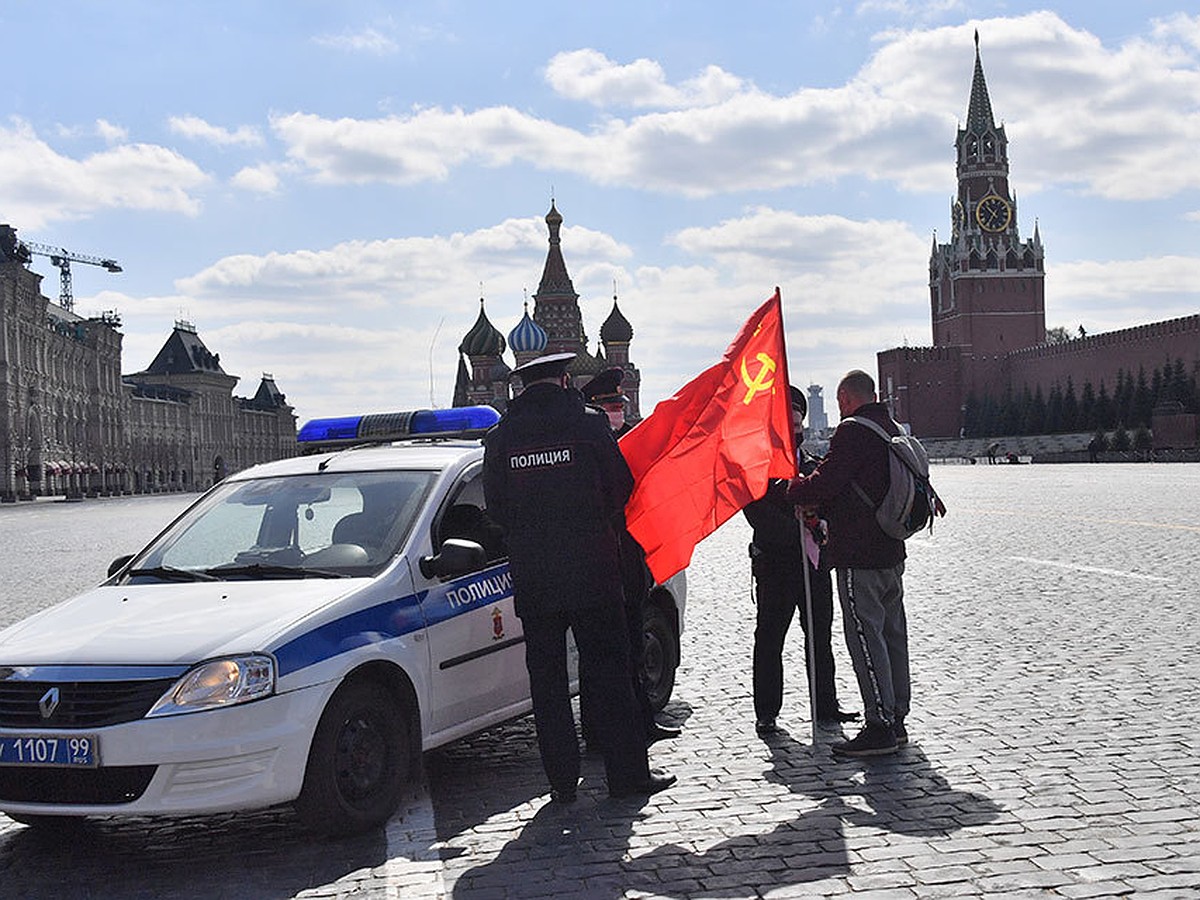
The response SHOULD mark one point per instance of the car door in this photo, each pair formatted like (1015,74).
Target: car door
(477,646)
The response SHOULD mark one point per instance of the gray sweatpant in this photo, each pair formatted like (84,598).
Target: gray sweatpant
(877,638)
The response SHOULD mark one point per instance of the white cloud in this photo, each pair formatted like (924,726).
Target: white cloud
(367,40)
(263,179)
(1076,111)
(39,185)
(591,76)
(195,128)
(378,310)
(111,134)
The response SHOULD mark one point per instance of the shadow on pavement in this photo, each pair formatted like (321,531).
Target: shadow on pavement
(902,794)
(263,855)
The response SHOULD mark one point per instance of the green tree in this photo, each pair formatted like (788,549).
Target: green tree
(1070,412)
(1143,401)
(1142,438)
(1037,413)
(1054,410)
(1120,405)
(1120,439)
(1087,407)
(1105,413)
(1057,335)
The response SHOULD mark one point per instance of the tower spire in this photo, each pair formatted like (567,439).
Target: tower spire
(979,111)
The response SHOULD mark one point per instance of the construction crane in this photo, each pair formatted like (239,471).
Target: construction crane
(63,259)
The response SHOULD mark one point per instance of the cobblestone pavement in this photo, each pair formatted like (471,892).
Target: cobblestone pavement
(1054,651)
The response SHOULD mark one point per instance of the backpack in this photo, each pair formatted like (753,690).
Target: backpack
(910,502)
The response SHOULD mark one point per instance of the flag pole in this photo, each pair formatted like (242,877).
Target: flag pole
(810,655)
(810,646)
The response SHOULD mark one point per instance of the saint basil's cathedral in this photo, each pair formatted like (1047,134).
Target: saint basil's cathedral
(556,326)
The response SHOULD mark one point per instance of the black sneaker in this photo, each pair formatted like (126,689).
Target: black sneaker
(766,726)
(901,732)
(872,740)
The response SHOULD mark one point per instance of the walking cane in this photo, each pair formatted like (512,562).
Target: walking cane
(810,654)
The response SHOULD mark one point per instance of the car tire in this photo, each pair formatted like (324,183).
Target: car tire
(359,763)
(660,656)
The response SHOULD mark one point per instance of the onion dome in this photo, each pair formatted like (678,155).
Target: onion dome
(616,328)
(483,339)
(528,336)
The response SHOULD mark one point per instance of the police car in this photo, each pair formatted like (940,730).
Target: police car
(300,634)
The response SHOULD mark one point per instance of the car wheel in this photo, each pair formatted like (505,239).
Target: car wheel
(359,763)
(661,656)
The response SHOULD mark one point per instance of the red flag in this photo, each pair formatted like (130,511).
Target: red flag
(709,450)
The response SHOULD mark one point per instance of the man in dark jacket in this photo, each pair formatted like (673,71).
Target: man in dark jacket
(556,483)
(870,565)
(604,393)
(777,558)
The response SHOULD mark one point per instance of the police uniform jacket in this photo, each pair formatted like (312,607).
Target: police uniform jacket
(856,454)
(557,484)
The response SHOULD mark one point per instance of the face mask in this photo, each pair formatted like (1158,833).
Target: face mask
(615,418)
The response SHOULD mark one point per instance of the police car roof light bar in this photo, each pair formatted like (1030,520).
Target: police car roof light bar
(376,428)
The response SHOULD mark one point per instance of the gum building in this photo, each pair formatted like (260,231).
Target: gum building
(987,304)
(71,424)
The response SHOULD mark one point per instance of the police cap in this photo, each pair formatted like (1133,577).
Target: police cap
(799,403)
(606,387)
(551,366)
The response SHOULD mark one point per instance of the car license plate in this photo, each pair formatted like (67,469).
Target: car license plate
(72,751)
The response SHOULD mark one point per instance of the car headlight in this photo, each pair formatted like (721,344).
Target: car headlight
(218,683)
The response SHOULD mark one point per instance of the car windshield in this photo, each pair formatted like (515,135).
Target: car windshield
(326,525)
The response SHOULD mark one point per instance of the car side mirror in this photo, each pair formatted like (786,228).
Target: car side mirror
(456,557)
(118,564)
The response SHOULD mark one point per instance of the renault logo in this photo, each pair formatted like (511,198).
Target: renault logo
(49,702)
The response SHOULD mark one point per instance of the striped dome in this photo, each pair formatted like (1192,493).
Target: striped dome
(528,336)
(483,339)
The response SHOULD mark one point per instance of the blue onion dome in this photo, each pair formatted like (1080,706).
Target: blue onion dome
(483,339)
(616,328)
(528,336)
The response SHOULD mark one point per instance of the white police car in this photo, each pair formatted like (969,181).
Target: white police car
(301,633)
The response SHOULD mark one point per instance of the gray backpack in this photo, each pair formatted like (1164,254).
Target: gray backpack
(910,502)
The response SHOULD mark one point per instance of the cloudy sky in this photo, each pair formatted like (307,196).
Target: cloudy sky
(326,189)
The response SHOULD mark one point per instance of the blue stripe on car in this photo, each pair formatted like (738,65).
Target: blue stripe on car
(385,621)
(395,618)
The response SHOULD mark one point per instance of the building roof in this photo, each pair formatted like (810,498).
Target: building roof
(616,328)
(184,353)
(979,110)
(528,336)
(483,339)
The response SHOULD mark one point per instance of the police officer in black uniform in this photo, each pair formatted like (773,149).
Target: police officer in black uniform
(604,393)
(776,560)
(556,483)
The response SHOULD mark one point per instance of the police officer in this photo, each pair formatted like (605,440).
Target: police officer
(556,484)
(604,393)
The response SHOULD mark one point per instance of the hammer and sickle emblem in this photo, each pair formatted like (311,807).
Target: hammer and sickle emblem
(760,382)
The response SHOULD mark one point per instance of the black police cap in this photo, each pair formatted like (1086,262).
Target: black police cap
(799,402)
(606,387)
(551,366)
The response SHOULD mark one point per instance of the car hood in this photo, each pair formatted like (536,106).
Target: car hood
(166,623)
